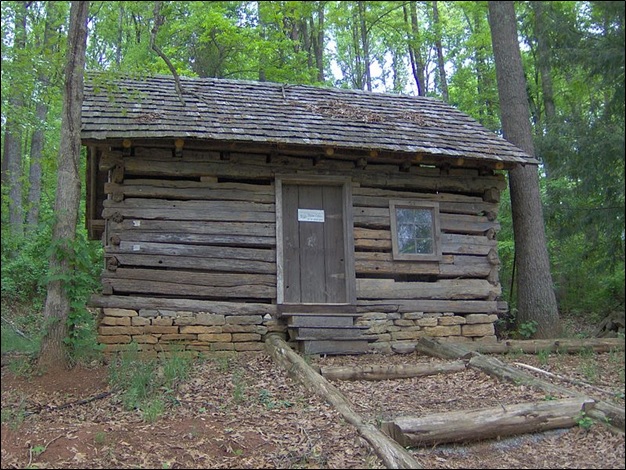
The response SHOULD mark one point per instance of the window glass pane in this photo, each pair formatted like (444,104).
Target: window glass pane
(415,230)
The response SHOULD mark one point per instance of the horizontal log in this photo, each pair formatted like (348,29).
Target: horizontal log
(192,305)
(193,278)
(188,214)
(194,239)
(488,423)
(428,306)
(195,227)
(165,204)
(534,346)
(452,289)
(136,286)
(195,263)
(389,372)
(449,266)
(197,191)
(222,252)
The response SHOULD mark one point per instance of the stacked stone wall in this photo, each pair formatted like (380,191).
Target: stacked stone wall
(399,332)
(156,331)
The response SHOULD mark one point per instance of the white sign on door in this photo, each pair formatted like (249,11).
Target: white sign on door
(310,215)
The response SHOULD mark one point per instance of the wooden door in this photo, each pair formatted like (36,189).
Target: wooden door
(314,244)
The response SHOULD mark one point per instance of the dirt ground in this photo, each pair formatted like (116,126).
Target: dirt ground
(243,411)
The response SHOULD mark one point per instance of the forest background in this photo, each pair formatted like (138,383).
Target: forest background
(573,57)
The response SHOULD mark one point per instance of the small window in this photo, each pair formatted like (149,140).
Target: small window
(415,230)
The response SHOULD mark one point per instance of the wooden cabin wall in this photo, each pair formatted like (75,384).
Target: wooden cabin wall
(190,249)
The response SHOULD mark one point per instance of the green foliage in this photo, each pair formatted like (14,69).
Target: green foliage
(583,421)
(527,329)
(147,384)
(79,279)
(266,399)
(25,266)
(543,356)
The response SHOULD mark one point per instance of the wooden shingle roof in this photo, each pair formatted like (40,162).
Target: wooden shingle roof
(271,113)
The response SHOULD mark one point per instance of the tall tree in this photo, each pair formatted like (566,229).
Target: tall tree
(536,299)
(57,307)
(12,174)
(418,66)
(41,96)
(442,79)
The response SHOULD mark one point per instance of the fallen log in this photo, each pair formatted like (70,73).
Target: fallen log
(565,379)
(603,412)
(388,372)
(535,346)
(488,423)
(390,452)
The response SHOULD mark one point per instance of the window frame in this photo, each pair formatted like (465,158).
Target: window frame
(433,207)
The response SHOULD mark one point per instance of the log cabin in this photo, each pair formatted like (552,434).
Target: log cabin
(349,221)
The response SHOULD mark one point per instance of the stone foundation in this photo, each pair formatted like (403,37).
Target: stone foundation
(166,330)
(156,331)
(399,332)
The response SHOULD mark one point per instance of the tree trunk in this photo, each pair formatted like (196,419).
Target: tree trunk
(38,139)
(396,371)
(57,307)
(392,454)
(365,47)
(12,155)
(413,44)
(487,423)
(319,43)
(35,173)
(443,81)
(536,299)
(543,62)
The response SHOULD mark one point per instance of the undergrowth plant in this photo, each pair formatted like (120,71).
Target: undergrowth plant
(147,384)
(25,276)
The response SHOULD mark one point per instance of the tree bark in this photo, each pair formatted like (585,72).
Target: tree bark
(38,138)
(12,154)
(413,45)
(487,423)
(392,454)
(560,345)
(443,81)
(536,298)
(53,353)
(388,372)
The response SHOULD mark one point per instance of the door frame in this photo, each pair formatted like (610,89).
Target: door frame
(348,230)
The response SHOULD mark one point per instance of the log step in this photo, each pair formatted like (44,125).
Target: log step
(334,347)
(319,321)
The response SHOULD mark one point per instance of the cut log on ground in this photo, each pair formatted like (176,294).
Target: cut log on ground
(488,423)
(390,452)
(603,412)
(565,379)
(571,346)
(389,372)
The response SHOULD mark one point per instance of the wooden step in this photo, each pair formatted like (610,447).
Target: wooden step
(285,310)
(319,321)
(334,347)
(331,332)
